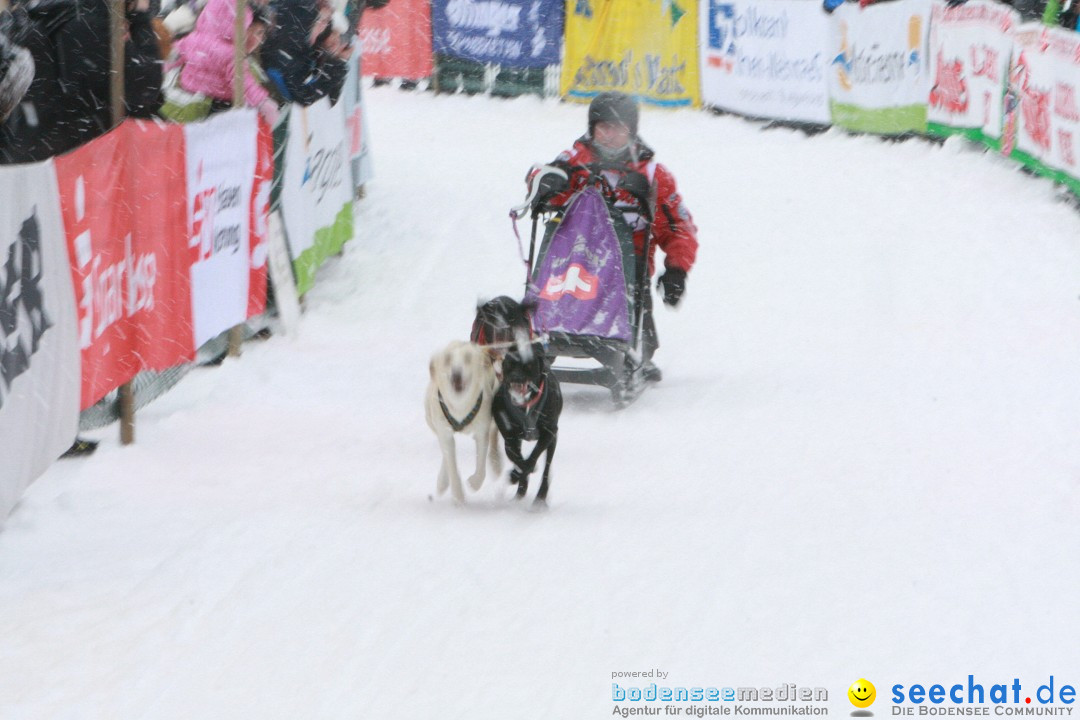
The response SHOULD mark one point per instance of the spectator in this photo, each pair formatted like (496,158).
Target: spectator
(206,57)
(69,101)
(304,54)
(16,70)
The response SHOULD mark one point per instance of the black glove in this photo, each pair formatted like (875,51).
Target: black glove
(674,282)
(548,185)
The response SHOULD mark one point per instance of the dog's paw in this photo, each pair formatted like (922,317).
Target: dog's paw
(476,481)
(458,494)
(443,483)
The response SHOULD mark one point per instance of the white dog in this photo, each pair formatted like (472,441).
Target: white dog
(458,400)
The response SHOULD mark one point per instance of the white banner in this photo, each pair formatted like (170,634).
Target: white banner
(879,76)
(317,182)
(39,345)
(970,47)
(356,124)
(317,188)
(1041,104)
(221,159)
(765,58)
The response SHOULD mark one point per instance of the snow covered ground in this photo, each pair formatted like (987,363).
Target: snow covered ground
(863,460)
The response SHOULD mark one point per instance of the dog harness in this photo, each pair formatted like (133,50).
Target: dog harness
(459,426)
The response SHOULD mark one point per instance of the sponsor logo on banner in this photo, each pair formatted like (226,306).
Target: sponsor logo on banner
(126,226)
(652,74)
(210,238)
(727,26)
(23,320)
(648,48)
(323,168)
(949,92)
(397,43)
(111,290)
(316,191)
(856,65)
(518,32)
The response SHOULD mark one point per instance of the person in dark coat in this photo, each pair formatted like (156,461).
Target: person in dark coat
(69,101)
(16,69)
(303,54)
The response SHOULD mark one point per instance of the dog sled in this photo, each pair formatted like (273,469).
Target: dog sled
(587,289)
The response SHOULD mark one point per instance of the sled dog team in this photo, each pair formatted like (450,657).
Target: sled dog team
(499,383)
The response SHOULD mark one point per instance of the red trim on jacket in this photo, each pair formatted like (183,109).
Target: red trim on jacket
(673,229)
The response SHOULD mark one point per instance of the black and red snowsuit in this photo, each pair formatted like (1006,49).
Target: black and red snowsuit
(672,228)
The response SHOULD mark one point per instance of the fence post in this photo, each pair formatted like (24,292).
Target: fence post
(236,333)
(117,31)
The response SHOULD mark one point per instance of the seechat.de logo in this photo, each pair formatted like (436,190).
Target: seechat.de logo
(862,695)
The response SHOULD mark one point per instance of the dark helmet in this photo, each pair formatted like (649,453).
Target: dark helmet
(614,107)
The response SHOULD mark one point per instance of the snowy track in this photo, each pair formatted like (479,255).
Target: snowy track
(863,461)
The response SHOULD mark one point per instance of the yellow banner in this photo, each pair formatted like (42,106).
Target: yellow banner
(647,48)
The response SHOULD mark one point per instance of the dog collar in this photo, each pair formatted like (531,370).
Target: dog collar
(535,398)
(459,426)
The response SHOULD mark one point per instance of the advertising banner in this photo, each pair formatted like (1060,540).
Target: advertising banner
(396,40)
(125,219)
(316,193)
(1041,115)
(647,48)
(512,33)
(356,126)
(878,72)
(259,221)
(222,160)
(765,58)
(39,348)
(970,47)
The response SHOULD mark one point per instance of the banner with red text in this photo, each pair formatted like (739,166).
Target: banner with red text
(228,263)
(396,40)
(1041,114)
(123,199)
(970,47)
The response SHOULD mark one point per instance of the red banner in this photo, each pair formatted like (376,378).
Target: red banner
(123,199)
(258,222)
(396,40)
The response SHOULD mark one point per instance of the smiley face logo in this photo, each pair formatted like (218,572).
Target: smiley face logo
(862,693)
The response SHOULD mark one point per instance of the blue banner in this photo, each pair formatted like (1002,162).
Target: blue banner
(512,33)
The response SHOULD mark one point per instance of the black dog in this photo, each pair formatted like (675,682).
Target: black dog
(527,407)
(502,321)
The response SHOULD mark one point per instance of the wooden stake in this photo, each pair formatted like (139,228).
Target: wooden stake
(117,32)
(236,334)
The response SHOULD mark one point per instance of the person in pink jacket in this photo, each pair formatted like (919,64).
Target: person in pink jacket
(206,56)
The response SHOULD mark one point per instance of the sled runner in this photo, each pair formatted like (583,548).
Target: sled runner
(586,286)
